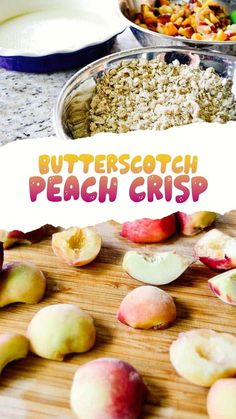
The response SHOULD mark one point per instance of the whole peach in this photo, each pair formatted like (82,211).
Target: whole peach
(221,399)
(147,307)
(21,282)
(13,346)
(146,230)
(107,388)
(60,329)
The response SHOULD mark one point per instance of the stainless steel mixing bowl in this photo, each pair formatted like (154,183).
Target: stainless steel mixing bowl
(148,38)
(71,113)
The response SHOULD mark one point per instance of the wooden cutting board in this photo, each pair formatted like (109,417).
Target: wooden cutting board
(36,388)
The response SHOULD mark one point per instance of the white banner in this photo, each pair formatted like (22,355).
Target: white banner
(120,177)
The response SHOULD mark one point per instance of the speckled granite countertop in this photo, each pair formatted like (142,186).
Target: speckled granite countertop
(27,100)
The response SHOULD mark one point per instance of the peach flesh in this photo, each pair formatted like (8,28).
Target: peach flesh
(76,246)
(146,230)
(107,388)
(224,286)
(157,269)
(221,399)
(216,250)
(192,224)
(147,307)
(202,356)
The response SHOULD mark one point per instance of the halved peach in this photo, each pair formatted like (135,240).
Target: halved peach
(216,250)
(191,224)
(77,246)
(203,356)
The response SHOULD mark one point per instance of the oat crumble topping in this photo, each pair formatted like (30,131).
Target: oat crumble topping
(142,94)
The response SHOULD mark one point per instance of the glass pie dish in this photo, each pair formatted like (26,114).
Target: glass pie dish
(45,36)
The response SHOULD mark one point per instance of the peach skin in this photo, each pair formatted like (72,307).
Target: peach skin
(60,329)
(224,286)
(13,346)
(147,307)
(14,237)
(216,250)
(21,282)
(146,230)
(107,388)
(221,399)
(192,224)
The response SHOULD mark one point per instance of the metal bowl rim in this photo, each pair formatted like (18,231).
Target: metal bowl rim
(173,38)
(58,107)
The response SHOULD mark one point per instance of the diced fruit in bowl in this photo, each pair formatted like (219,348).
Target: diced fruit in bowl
(147,307)
(11,238)
(61,329)
(224,286)
(77,246)
(191,224)
(107,388)
(216,250)
(13,346)
(203,356)
(21,282)
(199,20)
(156,269)
(221,399)
(146,230)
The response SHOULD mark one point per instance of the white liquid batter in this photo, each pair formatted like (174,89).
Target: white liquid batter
(53,30)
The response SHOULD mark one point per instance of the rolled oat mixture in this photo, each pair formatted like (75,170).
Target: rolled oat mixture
(143,94)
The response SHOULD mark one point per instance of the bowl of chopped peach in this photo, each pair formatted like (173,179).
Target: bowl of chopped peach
(201,23)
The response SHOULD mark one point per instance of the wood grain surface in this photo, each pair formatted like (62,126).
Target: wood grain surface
(38,388)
